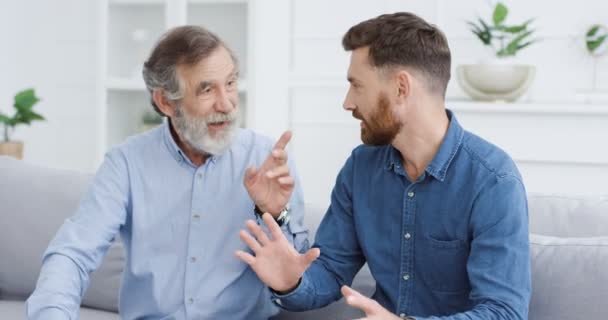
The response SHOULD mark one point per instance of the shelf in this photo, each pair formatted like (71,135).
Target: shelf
(131,36)
(216,1)
(550,108)
(126,84)
(119,2)
(136,2)
(227,19)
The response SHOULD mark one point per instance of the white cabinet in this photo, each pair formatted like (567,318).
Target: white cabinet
(128,30)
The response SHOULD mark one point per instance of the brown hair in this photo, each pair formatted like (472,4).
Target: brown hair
(185,45)
(404,39)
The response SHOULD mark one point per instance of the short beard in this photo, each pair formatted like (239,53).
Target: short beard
(382,127)
(195,133)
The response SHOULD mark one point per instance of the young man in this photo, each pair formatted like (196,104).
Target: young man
(439,214)
(178,195)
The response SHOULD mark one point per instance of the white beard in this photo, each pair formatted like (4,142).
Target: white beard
(195,133)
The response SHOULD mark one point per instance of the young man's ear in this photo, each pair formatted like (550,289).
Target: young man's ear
(404,81)
(166,106)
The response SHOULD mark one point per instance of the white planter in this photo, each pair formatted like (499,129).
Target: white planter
(492,82)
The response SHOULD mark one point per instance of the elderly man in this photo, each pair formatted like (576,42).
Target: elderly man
(439,214)
(177,195)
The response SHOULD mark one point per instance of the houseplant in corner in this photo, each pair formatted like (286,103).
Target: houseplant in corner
(499,78)
(24,102)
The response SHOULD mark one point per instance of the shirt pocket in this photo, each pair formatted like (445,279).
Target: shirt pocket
(444,264)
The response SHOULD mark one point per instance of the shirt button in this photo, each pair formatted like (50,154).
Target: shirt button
(200,175)
(190,301)
(410,194)
(406,277)
(407,236)
(193,259)
(196,216)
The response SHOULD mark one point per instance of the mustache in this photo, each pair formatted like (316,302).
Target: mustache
(357,115)
(221,117)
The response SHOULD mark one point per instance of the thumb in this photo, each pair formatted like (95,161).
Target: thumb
(359,301)
(311,255)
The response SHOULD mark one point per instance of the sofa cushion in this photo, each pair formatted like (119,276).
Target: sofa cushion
(568,216)
(16,310)
(569,277)
(34,202)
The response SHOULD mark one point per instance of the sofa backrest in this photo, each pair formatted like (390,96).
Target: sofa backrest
(569,252)
(568,216)
(569,245)
(34,202)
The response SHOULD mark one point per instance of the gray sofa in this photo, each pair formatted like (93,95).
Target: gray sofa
(569,248)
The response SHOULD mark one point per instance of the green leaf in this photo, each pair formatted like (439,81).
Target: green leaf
(500,14)
(25,99)
(593,31)
(514,45)
(4,119)
(35,116)
(486,27)
(475,28)
(593,45)
(19,118)
(521,46)
(513,29)
(484,33)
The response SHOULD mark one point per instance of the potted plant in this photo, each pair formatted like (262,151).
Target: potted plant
(500,78)
(596,40)
(24,102)
(150,120)
(596,44)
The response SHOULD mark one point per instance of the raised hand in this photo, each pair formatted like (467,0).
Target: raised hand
(270,186)
(275,261)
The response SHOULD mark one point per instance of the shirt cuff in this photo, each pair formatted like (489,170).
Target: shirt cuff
(302,292)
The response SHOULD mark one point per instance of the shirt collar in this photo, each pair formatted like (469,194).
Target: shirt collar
(447,150)
(173,148)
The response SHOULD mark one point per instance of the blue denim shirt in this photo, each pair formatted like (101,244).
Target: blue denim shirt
(179,224)
(451,245)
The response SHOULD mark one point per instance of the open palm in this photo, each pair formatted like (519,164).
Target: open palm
(275,261)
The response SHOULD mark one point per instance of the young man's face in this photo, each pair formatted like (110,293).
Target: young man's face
(369,102)
(207,117)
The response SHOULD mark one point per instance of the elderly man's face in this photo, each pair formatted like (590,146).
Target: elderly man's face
(207,117)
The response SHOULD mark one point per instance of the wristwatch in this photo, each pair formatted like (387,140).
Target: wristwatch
(281,220)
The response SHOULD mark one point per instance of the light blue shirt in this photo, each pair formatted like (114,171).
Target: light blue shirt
(179,224)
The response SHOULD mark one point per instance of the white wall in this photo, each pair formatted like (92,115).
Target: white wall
(55,52)
(50,46)
(557,151)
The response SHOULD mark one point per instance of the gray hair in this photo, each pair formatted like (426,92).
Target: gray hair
(185,45)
